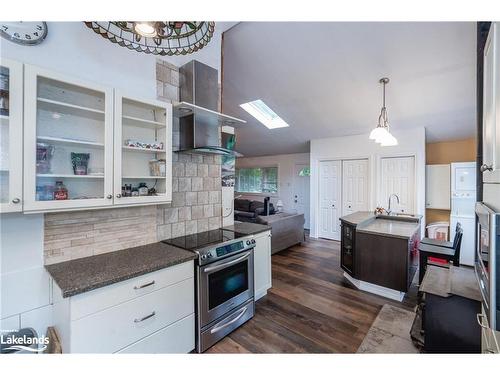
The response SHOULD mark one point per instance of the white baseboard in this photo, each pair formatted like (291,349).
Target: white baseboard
(375,289)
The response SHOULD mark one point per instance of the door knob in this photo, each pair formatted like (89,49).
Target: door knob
(16,200)
(109,196)
(486,167)
(118,195)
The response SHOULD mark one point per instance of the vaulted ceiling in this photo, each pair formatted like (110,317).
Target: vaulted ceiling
(322,78)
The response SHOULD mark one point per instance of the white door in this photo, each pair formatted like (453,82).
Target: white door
(398,177)
(354,186)
(301,191)
(262,264)
(329,199)
(11,137)
(437,186)
(68,142)
(491,107)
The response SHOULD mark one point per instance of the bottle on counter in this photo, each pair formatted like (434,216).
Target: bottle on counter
(135,192)
(60,191)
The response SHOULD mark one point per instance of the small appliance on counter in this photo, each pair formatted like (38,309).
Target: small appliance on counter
(224,282)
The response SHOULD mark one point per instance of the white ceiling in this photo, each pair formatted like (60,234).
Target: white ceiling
(322,78)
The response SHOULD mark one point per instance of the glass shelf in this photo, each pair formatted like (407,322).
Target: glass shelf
(139,149)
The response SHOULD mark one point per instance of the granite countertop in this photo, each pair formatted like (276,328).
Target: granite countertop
(445,282)
(247,228)
(388,228)
(358,217)
(85,274)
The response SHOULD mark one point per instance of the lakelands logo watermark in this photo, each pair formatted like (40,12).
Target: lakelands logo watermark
(12,342)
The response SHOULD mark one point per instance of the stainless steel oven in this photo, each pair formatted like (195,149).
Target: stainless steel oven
(487,262)
(223,285)
(225,297)
(224,282)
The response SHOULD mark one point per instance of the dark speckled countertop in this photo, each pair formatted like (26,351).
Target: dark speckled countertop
(247,228)
(85,274)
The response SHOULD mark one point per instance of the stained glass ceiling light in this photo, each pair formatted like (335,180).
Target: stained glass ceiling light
(165,38)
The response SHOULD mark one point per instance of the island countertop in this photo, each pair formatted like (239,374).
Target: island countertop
(388,228)
(368,222)
(85,274)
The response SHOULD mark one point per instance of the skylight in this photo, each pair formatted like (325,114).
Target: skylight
(264,114)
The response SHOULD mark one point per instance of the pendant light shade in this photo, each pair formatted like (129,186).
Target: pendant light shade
(381,133)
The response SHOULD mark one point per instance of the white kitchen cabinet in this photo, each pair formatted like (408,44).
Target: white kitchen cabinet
(94,140)
(437,186)
(262,264)
(491,107)
(137,122)
(152,313)
(66,121)
(11,136)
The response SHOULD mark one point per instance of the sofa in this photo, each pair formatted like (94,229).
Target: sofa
(287,229)
(248,211)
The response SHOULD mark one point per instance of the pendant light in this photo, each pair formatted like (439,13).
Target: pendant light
(381,133)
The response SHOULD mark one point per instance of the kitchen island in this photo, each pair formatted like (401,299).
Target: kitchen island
(379,253)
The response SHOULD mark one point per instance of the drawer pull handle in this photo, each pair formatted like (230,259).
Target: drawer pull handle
(218,328)
(480,321)
(144,285)
(145,317)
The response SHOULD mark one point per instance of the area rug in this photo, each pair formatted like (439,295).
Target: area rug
(390,332)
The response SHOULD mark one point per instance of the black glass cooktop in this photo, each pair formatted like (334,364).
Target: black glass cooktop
(199,240)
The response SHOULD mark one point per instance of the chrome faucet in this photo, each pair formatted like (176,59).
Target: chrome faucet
(390,196)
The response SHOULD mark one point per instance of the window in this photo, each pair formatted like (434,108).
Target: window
(264,114)
(257,180)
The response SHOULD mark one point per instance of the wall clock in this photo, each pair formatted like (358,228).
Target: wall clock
(24,33)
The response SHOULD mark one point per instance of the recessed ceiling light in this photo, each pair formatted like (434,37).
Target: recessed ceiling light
(264,114)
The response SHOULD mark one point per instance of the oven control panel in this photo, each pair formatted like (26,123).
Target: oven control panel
(211,254)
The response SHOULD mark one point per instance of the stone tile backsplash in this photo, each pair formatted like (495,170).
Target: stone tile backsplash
(196,203)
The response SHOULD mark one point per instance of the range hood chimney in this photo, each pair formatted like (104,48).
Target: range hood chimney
(199,121)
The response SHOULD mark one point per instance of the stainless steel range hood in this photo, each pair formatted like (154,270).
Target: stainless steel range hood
(199,121)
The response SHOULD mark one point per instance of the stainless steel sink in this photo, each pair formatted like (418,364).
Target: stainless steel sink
(409,218)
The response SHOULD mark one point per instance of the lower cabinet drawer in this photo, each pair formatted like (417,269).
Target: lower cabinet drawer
(117,327)
(176,338)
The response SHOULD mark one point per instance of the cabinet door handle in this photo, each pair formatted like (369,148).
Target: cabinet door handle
(486,167)
(16,200)
(145,317)
(118,195)
(109,196)
(144,285)
(479,318)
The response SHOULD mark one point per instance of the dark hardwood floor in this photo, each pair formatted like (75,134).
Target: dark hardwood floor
(311,308)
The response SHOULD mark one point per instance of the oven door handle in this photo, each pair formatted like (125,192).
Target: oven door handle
(216,268)
(217,329)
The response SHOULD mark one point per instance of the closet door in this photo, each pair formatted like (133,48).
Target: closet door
(354,186)
(329,199)
(398,177)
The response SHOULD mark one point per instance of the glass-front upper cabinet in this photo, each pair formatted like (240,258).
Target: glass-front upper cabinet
(11,136)
(143,151)
(68,142)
